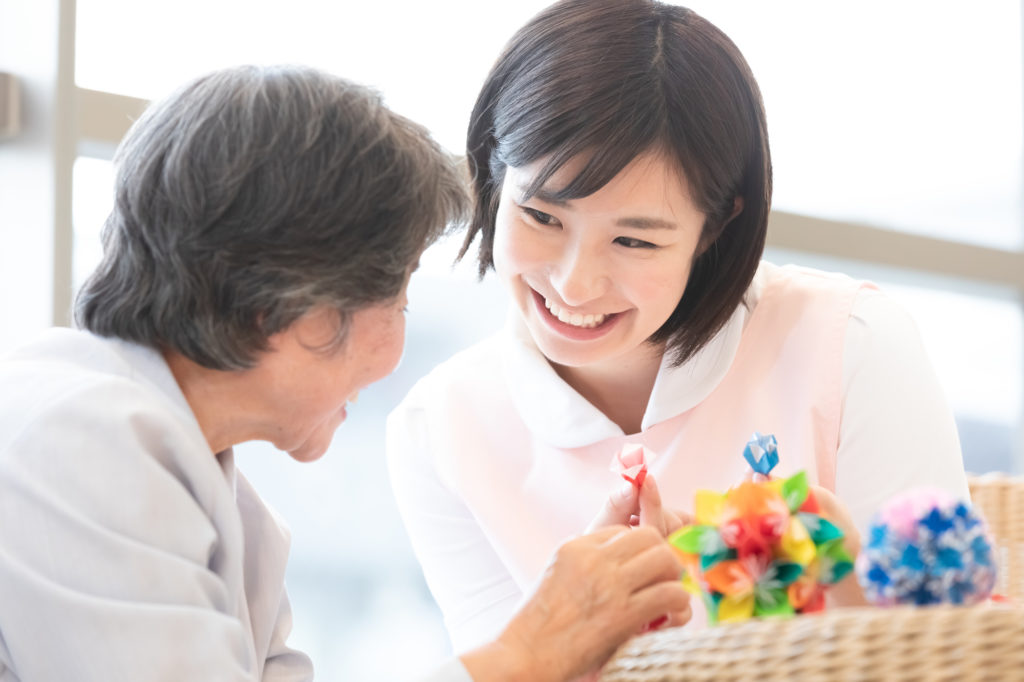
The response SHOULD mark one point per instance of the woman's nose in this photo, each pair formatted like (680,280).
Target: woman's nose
(580,276)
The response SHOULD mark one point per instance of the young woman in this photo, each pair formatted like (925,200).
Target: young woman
(622,183)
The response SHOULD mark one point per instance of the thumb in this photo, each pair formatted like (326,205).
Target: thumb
(617,509)
(651,512)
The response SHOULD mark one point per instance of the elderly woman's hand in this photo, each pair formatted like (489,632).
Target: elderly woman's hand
(599,590)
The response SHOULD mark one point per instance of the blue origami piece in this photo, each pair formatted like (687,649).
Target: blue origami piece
(926,547)
(761,453)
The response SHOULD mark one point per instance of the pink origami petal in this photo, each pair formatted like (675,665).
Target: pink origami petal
(631,463)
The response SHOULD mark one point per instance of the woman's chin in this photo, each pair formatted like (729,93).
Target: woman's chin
(308,453)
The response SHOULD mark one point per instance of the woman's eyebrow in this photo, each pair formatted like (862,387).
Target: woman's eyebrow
(638,222)
(547,196)
(644,223)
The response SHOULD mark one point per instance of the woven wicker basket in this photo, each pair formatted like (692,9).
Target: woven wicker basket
(936,644)
(1001,501)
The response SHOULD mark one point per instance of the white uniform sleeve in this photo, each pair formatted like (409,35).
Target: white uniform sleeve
(106,551)
(470,583)
(897,430)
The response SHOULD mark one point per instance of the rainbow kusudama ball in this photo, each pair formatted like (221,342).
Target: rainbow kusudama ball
(926,547)
(761,549)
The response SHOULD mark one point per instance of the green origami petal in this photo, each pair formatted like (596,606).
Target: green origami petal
(711,602)
(687,539)
(834,550)
(835,562)
(697,539)
(821,529)
(773,602)
(786,573)
(794,491)
(709,560)
(840,569)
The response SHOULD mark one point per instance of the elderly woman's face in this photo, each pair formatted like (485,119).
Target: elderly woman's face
(312,387)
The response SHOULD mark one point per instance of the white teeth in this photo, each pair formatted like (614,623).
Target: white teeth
(575,319)
(353,399)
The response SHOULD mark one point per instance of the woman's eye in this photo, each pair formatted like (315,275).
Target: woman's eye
(539,216)
(631,243)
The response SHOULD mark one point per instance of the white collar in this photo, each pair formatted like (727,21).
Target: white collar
(559,416)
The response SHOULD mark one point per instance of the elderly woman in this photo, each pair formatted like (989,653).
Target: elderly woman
(253,281)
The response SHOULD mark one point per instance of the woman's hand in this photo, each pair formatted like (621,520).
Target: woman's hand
(847,592)
(632,506)
(599,590)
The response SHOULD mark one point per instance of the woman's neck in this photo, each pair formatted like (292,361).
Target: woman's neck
(222,402)
(620,388)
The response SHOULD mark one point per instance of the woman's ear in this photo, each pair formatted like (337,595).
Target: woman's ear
(708,237)
(737,208)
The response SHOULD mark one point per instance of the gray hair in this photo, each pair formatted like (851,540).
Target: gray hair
(252,195)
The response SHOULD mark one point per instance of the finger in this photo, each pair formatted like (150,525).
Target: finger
(624,546)
(677,618)
(650,566)
(685,517)
(659,599)
(601,536)
(617,509)
(674,520)
(651,512)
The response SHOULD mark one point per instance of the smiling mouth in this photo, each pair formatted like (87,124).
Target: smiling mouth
(574,321)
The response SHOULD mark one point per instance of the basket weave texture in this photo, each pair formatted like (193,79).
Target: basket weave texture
(905,643)
(1001,501)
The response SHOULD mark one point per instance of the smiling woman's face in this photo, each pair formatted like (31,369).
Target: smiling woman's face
(595,277)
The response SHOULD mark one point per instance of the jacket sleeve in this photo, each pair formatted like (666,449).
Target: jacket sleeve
(897,430)
(116,551)
(283,663)
(468,579)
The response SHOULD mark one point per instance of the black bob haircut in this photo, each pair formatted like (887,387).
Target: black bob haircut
(606,81)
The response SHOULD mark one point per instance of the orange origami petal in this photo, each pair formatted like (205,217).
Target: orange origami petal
(802,591)
(753,499)
(729,578)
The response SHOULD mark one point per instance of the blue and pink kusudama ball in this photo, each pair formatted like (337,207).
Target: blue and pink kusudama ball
(926,547)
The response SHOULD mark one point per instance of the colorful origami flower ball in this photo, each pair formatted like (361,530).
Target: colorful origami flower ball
(927,547)
(761,549)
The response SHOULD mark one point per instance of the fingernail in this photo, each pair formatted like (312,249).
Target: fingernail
(625,492)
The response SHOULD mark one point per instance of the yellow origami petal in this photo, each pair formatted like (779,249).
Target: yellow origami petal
(709,507)
(690,585)
(734,609)
(796,543)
